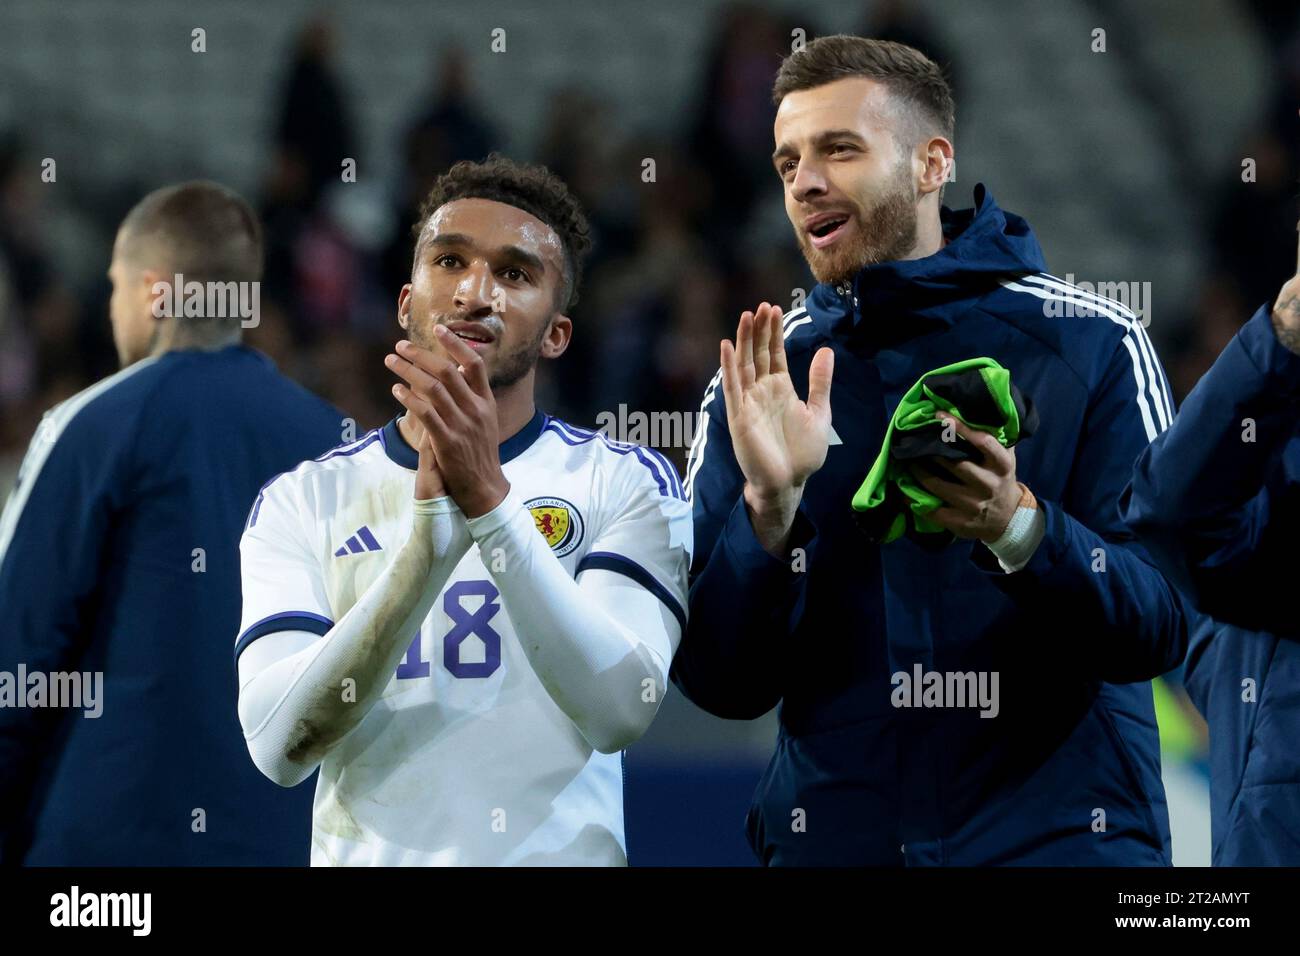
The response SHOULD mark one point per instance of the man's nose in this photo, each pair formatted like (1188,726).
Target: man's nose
(808,182)
(476,290)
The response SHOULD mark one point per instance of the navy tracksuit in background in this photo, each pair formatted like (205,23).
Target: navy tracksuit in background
(119,554)
(1217,499)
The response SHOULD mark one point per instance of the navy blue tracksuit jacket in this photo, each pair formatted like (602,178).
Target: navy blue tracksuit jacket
(1217,499)
(1068,772)
(119,554)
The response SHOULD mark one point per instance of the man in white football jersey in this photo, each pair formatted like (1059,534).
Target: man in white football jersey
(463,617)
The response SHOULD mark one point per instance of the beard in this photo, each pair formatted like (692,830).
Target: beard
(884,232)
(506,369)
(512,366)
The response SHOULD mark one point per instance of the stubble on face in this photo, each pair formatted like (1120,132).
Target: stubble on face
(506,368)
(884,232)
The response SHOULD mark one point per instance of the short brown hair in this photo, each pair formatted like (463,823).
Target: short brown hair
(535,190)
(203,230)
(912,77)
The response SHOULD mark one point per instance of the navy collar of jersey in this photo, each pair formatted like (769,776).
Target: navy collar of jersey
(401,452)
(984,245)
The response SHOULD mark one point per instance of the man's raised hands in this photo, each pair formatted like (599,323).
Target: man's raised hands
(779,440)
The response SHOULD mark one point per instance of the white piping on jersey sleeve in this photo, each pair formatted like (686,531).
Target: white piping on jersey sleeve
(293,709)
(48,432)
(281,579)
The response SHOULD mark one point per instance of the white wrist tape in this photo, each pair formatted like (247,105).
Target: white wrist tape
(1021,539)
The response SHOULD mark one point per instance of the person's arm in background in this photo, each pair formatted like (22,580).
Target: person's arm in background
(53,537)
(1086,575)
(745,477)
(1213,497)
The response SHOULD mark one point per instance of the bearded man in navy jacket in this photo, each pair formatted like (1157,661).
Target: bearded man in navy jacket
(1043,595)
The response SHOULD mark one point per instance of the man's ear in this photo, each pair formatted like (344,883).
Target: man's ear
(934,159)
(154,286)
(404,308)
(557,337)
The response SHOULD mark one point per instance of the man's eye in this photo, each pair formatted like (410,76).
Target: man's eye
(515,274)
(788,166)
(444,260)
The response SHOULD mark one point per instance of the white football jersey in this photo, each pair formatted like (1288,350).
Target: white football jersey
(465,759)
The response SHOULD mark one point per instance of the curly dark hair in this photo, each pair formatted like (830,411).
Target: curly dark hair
(534,189)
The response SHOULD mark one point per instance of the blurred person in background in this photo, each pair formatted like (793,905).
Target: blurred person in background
(448,127)
(307,272)
(315,129)
(733,119)
(1254,221)
(119,563)
(43,343)
(1216,498)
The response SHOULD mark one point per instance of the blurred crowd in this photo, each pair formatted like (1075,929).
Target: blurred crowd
(1253,222)
(674,263)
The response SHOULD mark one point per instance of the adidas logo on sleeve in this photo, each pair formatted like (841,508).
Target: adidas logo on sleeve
(359,543)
